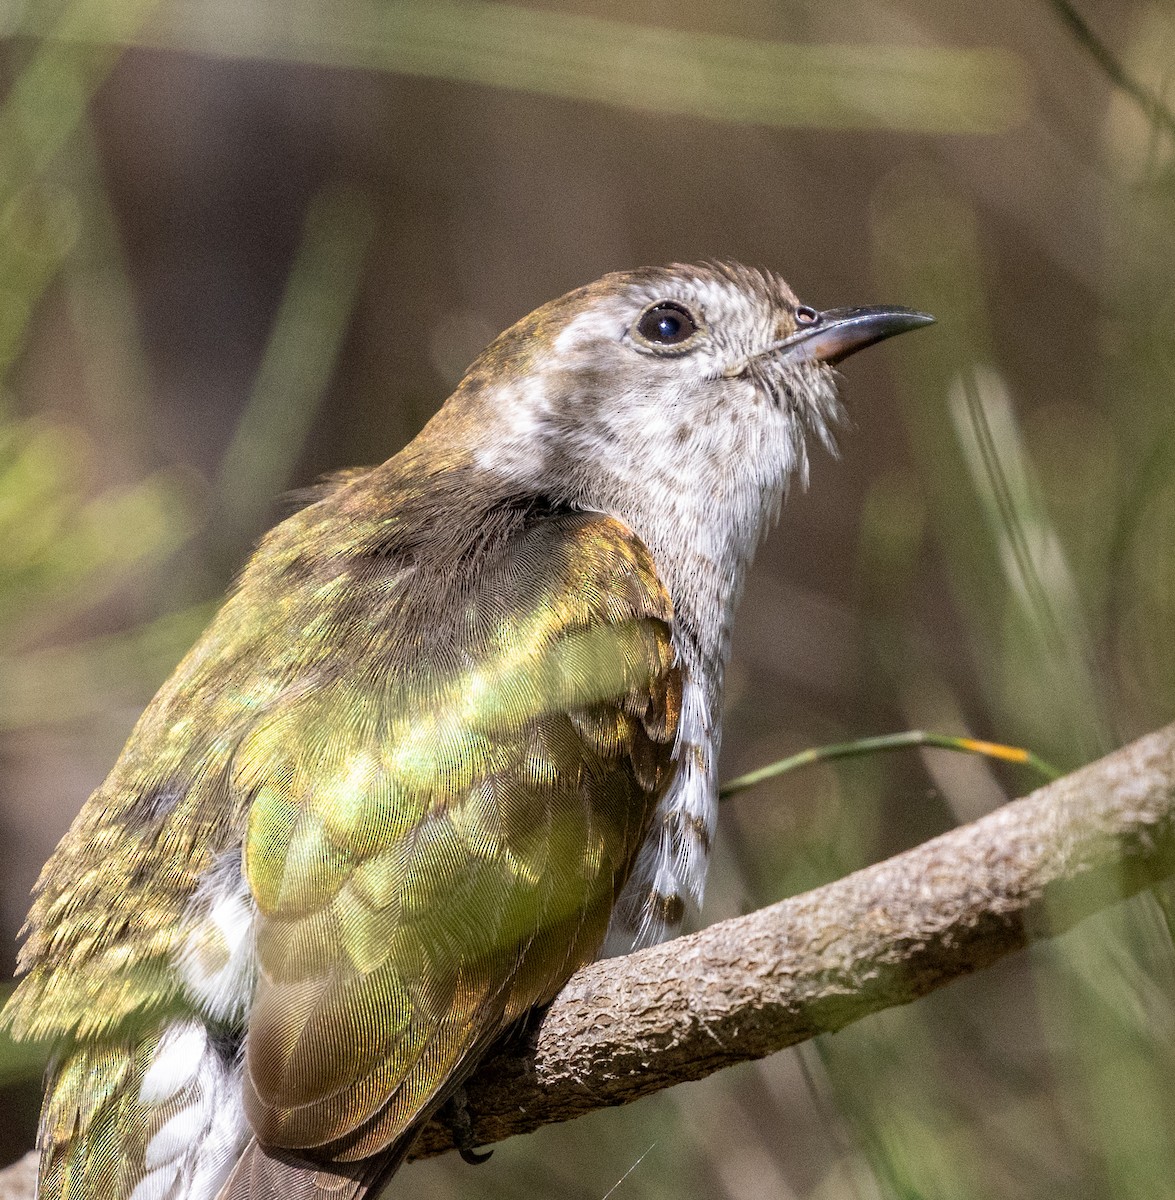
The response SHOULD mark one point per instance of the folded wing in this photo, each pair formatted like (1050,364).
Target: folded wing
(434,852)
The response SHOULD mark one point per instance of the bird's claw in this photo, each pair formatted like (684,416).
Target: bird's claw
(454,1114)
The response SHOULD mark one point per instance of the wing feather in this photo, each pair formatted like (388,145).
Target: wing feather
(442,866)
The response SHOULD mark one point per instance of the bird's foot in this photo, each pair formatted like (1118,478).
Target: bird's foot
(454,1115)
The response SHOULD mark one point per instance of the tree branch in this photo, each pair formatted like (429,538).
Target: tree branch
(889,934)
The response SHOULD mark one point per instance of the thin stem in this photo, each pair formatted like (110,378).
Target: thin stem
(888,741)
(1114,70)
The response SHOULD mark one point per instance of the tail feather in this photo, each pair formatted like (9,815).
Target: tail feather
(157,1117)
(262,1174)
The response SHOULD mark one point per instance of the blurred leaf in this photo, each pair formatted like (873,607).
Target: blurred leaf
(101,302)
(915,88)
(80,43)
(59,547)
(73,682)
(1085,35)
(1055,662)
(1139,356)
(38,227)
(299,357)
(45,104)
(1026,616)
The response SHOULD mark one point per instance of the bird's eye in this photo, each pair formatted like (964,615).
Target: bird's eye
(666,324)
(806,315)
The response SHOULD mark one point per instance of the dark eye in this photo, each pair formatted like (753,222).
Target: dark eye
(666,324)
(806,315)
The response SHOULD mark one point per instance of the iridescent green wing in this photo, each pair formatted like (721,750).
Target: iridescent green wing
(434,851)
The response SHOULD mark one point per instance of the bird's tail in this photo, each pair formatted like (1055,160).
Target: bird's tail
(156,1114)
(89,1091)
(262,1174)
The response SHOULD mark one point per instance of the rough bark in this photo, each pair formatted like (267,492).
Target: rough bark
(891,933)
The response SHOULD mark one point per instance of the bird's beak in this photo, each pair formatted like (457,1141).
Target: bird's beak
(838,332)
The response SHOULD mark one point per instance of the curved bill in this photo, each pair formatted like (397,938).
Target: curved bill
(839,332)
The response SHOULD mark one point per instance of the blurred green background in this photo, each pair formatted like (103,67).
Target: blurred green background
(243,243)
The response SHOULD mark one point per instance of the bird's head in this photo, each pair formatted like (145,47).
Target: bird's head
(690,371)
(678,398)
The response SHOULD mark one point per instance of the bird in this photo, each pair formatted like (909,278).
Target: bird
(453,734)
